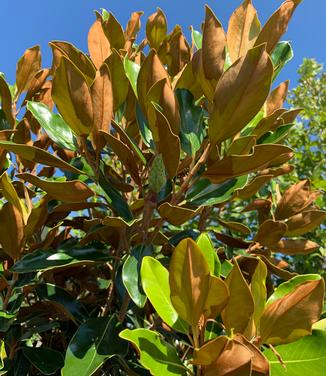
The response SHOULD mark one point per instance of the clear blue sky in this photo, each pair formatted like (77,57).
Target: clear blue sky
(24,23)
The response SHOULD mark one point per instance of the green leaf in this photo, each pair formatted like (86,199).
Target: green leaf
(145,132)
(304,357)
(131,70)
(159,357)
(276,136)
(131,274)
(94,342)
(155,282)
(42,259)
(289,286)
(192,130)
(205,244)
(114,197)
(281,55)
(47,291)
(45,360)
(197,38)
(212,194)
(54,125)
(226,268)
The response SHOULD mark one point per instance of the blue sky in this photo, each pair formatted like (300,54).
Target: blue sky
(26,23)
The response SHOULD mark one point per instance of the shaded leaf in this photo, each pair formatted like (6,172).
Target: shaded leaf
(44,359)
(176,215)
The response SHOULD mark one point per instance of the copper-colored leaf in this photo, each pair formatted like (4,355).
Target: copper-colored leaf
(133,25)
(207,86)
(237,165)
(239,310)
(28,65)
(37,155)
(231,241)
(240,94)
(12,235)
(294,247)
(76,57)
(124,154)
(210,351)
(276,268)
(235,360)
(151,71)
(98,44)
(305,222)
(235,226)
(276,98)
(36,83)
(295,199)
(253,187)
(168,144)
(189,281)
(243,30)
(156,28)
(270,232)
(277,25)
(6,102)
(241,145)
(213,50)
(69,191)
(176,215)
(114,32)
(72,97)
(102,102)
(291,317)
(217,297)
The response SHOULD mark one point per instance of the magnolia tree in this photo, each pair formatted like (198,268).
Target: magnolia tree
(143,228)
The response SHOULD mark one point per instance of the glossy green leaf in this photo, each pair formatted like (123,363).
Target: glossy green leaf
(205,244)
(197,38)
(304,357)
(94,342)
(115,198)
(48,291)
(145,132)
(131,70)
(192,130)
(155,282)
(281,55)
(54,125)
(158,356)
(44,359)
(42,259)
(131,274)
(213,194)
(276,136)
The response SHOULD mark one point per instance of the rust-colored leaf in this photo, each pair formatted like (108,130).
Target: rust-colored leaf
(235,360)
(156,29)
(240,94)
(176,215)
(28,65)
(239,310)
(291,317)
(231,241)
(124,154)
(72,97)
(277,25)
(237,165)
(253,187)
(12,235)
(6,102)
(304,222)
(276,98)
(217,297)
(102,102)
(189,281)
(36,83)
(38,155)
(68,191)
(243,30)
(98,44)
(241,145)
(294,247)
(270,232)
(76,57)
(133,25)
(168,144)
(210,351)
(295,199)
(235,226)
(213,50)
(114,32)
